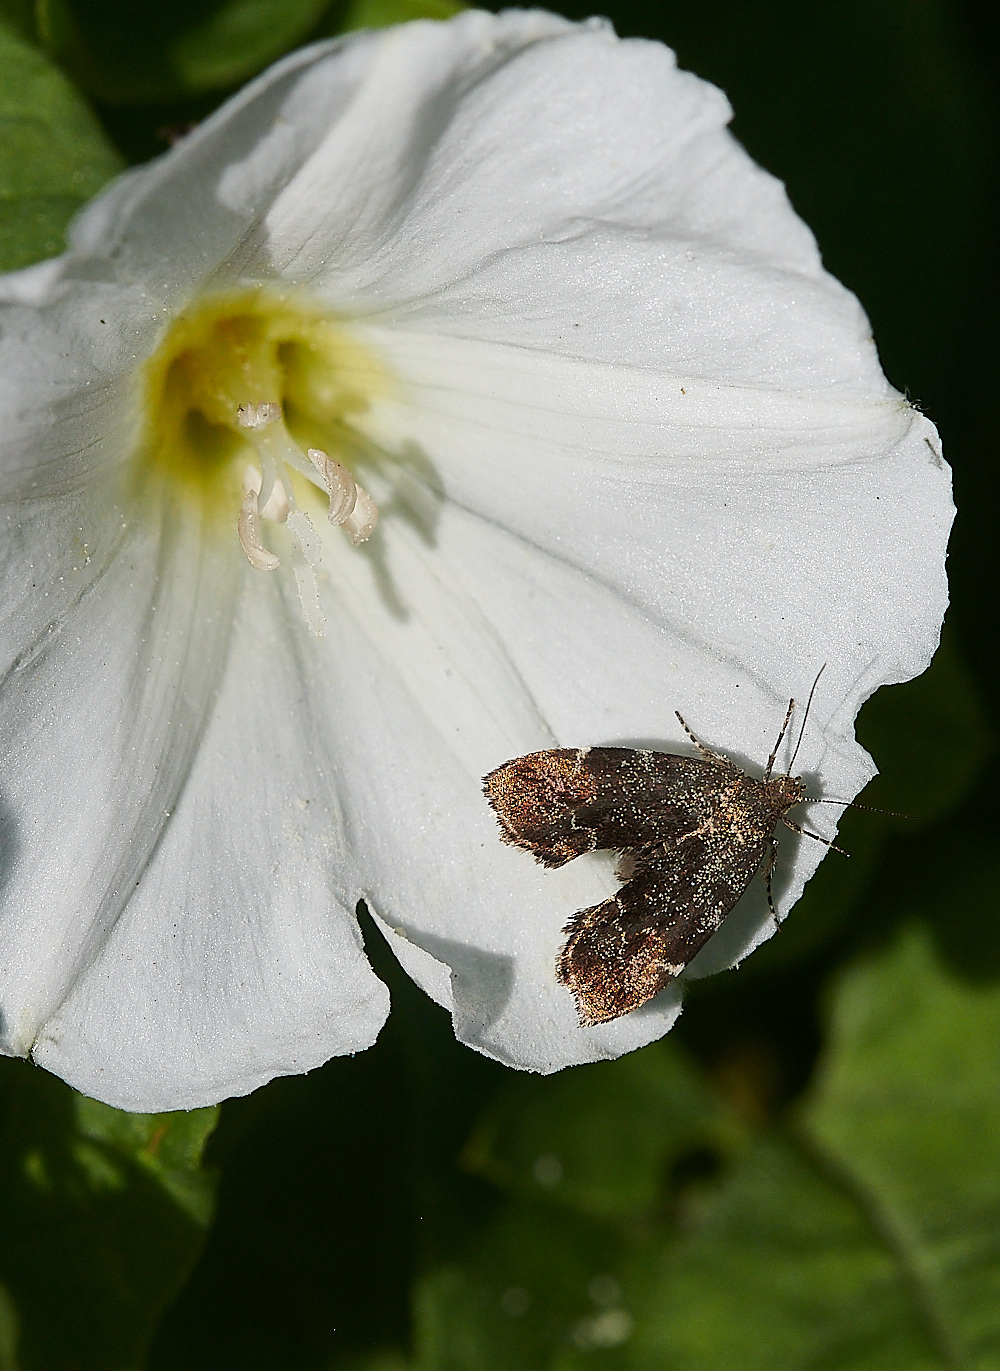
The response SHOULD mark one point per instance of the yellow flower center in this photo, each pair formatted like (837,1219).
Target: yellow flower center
(252,397)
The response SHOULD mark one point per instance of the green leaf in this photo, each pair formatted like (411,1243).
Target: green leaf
(600,1138)
(122,53)
(591,1161)
(18,16)
(906,1112)
(53,155)
(238,38)
(862,1236)
(781,1269)
(102,1215)
(543,1291)
(867,1237)
(379,14)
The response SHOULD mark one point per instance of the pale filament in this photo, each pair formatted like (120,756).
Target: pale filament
(268,496)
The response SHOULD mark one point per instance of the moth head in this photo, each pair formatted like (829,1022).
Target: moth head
(785,791)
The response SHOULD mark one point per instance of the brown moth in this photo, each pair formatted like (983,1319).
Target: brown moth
(692,832)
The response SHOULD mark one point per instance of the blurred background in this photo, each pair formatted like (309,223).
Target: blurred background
(806,1172)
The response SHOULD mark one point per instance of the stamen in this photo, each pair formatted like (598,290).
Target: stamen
(339,483)
(250,540)
(360,525)
(350,504)
(302,530)
(312,612)
(267,496)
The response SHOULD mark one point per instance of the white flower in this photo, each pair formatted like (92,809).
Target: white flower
(631,450)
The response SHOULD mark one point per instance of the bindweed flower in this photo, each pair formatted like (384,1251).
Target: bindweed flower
(455,391)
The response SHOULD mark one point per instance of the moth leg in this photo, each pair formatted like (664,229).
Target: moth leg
(770,861)
(806,834)
(727,762)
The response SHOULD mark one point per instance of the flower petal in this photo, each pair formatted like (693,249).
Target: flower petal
(237,957)
(419,699)
(96,742)
(171,929)
(583,161)
(476,645)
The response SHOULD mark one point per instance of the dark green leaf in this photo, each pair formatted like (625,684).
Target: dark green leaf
(102,1215)
(122,53)
(543,1291)
(780,1270)
(18,16)
(869,1237)
(906,1112)
(598,1139)
(862,1238)
(378,14)
(929,737)
(593,1161)
(53,155)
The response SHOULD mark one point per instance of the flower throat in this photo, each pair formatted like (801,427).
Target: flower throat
(250,397)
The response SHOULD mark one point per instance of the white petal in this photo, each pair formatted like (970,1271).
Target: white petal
(237,956)
(585,162)
(422,698)
(96,742)
(176,922)
(581,587)
(769,525)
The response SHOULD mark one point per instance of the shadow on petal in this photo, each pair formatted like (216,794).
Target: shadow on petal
(482,982)
(416,496)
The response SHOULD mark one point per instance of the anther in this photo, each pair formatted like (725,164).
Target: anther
(360,524)
(250,540)
(351,507)
(339,483)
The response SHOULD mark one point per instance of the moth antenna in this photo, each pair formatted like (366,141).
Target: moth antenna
(806,834)
(717,758)
(705,752)
(784,727)
(805,717)
(853,804)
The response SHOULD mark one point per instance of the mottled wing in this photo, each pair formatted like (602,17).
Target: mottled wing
(621,953)
(561,803)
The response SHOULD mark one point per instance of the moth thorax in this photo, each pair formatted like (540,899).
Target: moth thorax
(784,791)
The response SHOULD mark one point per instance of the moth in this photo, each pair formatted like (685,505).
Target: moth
(692,833)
